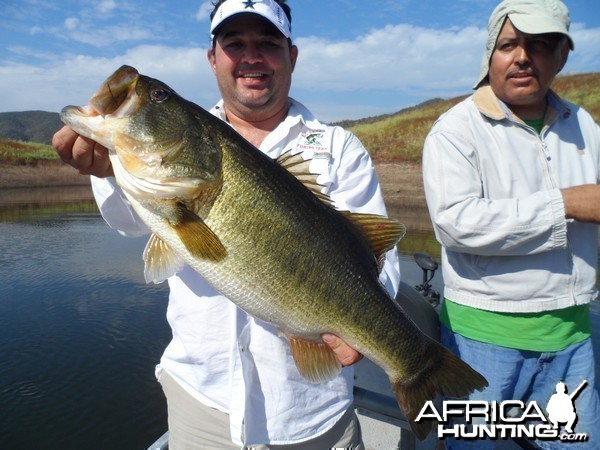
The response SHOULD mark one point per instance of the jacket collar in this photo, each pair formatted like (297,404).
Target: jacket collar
(492,107)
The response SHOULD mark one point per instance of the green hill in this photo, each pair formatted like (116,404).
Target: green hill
(399,137)
(29,126)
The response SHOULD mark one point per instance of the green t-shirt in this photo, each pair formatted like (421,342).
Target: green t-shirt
(536,124)
(546,331)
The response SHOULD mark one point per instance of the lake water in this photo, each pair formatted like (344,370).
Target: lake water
(80,331)
(80,334)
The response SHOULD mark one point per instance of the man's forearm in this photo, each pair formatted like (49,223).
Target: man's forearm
(582,203)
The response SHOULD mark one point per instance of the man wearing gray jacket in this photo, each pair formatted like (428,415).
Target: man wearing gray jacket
(511,179)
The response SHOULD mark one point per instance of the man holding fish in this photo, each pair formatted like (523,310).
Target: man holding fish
(229,379)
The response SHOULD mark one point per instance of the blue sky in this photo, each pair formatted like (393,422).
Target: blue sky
(357,58)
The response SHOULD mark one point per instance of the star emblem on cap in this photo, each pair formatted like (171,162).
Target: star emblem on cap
(250,4)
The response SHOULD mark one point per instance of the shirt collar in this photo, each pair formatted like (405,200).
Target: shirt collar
(297,113)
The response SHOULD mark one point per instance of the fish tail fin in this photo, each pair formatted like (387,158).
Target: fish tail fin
(451,377)
(411,399)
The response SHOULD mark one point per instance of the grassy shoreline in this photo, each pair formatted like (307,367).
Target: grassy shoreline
(401,183)
(401,179)
(39,175)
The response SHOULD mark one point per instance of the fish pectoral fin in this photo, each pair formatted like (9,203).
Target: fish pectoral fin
(315,361)
(160,261)
(382,232)
(198,238)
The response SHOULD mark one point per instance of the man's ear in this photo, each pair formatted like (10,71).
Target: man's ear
(210,55)
(564,54)
(293,56)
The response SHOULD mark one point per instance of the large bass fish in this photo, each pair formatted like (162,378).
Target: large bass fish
(261,233)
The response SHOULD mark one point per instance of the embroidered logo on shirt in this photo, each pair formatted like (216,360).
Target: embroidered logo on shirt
(312,139)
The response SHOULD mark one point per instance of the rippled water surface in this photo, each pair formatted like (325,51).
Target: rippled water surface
(80,331)
(80,334)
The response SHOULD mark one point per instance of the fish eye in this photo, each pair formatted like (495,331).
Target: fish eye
(159,95)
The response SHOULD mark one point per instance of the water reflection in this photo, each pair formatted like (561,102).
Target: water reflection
(23,203)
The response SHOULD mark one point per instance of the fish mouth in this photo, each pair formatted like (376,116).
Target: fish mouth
(113,98)
(139,164)
(115,92)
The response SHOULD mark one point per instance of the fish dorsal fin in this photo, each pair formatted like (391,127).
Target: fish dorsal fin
(160,261)
(300,169)
(197,237)
(315,361)
(382,232)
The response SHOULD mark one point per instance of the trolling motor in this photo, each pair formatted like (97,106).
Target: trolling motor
(429,266)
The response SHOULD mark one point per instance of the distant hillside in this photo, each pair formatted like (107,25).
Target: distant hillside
(29,126)
(400,136)
(372,119)
(393,137)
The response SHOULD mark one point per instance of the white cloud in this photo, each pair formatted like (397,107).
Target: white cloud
(407,64)
(398,57)
(71,23)
(110,35)
(75,30)
(586,56)
(106,6)
(204,11)
(74,79)
(35,30)
(382,71)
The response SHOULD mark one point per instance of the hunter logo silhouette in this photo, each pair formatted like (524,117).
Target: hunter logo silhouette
(561,407)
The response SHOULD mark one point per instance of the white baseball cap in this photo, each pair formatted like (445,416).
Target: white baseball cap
(268,9)
(527,16)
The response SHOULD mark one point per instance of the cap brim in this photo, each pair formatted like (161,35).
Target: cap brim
(525,23)
(216,30)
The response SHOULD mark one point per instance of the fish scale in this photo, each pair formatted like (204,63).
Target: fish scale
(298,290)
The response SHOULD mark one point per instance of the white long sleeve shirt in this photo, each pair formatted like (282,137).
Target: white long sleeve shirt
(225,358)
(493,191)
